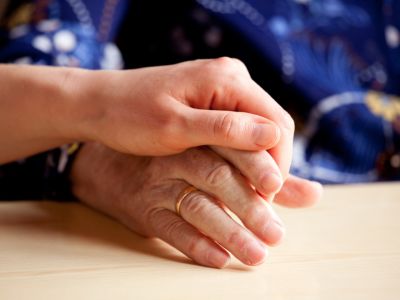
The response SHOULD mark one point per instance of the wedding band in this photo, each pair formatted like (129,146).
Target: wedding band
(182,196)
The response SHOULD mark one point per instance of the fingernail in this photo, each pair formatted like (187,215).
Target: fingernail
(219,259)
(266,135)
(255,253)
(274,230)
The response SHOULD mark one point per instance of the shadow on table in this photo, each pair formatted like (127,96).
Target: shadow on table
(76,221)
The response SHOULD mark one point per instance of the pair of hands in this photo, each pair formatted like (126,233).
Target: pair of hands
(164,111)
(167,110)
(141,191)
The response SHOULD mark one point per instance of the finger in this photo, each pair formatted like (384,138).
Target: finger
(210,173)
(258,167)
(230,129)
(200,210)
(177,232)
(297,192)
(228,86)
(254,99)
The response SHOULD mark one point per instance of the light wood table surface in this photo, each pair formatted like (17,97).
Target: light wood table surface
(346,247)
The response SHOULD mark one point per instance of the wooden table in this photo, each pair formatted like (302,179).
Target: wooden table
(347,247)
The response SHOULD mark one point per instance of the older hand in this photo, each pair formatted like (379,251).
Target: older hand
(141,192)
(166,110)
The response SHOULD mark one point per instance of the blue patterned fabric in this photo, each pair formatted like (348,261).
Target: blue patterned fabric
(75,33)
(342,58)
(69,33)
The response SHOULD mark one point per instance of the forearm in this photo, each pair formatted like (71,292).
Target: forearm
(39,109)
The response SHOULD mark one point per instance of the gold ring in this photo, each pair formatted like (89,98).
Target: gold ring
(182,196)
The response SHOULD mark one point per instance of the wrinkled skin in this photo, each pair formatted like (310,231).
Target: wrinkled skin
(141,193)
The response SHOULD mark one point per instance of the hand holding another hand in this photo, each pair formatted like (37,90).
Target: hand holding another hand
(141,192)
(166,110)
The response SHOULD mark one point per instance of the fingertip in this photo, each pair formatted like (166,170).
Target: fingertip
(256,253)
(316,193)
(299,193)
(278,237)
(218,258)
(274,230)
(311,192)
(318,187)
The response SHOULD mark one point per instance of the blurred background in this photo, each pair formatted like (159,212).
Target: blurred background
(333,64)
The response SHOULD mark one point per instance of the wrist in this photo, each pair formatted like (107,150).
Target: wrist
(72,108)
(84,102)
(85,92)
(38,110)
(49,100)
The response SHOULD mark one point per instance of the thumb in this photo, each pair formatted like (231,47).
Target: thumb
(298,192)
(237,130)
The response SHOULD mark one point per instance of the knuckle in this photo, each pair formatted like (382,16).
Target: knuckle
(174,226)
(225,62)
(194,203)
(155,217)
(218,175)
(232,68)
(256,216)
(241,67)
(229,63)
(237,239)
(225,127)
(195,246)
(239,62)
(159,221)
(224,77)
